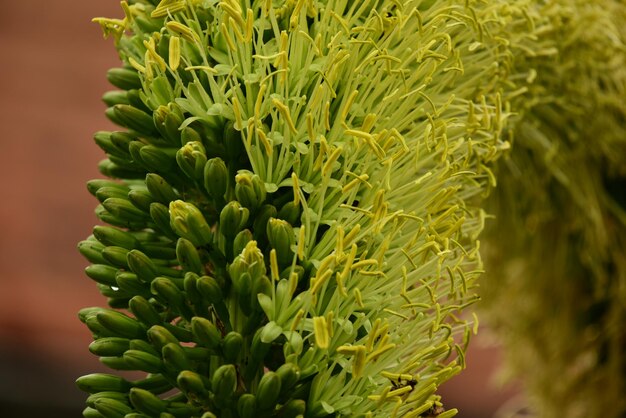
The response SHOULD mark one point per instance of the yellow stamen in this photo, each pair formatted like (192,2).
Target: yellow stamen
(301,243)
(328,165)
(284,110)
(347,106)
(297,319)
(320,330)
(133,63)
(174,53)
(259,101)
(184,31)
(274,265)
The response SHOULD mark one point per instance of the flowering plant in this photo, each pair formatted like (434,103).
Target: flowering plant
(294,203)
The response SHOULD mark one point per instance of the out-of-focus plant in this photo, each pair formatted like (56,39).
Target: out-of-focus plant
(556,255)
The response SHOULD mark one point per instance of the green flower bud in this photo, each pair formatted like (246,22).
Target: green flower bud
(232,346)
(281,237)
(191,158)
(111,291)
(158,158)
(259,226)
(170,295)
(174,357)
(146,402)
(181,333)
(91,413)
(191,383)
(94,326)
(289,374)
(120,324)
(190,285)
(116,363)
(130,283)
(142,345)
(188,256)
(122,140)
(124,78)
(224,383)
(102,273)
(156,383)
(110,408)
(293,409)
(121,171)
(268,391)
(188,222)
(247,406)
(119,301)
(189,134)
(232,218)
(134,148)
(160,190)
(142,199)
(101,382)
(106,192)
(110,236)
(113,97)
(136,415)
(92,251)
(142,266)
(135,119)
(136,99)
(243,289)
(249,189)
(86,313)
(167,120)
(205,333)
(94,185)
(290,212)
(104,141)
(161,251)
(258,349)
(250,261)
(215,178)
(241,240)
(181,409)
(124,210)
(116,256)
(161,217)
(146,362)
(125,165)
(233,143)
(122,397)
(210,289)
(110,346)
(159,336)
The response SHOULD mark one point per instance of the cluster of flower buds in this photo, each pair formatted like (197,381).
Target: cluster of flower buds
(291,230)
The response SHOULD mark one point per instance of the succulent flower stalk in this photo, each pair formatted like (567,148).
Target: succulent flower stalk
(296,191)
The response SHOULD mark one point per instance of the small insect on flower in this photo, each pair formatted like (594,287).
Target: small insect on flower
(401,383)
(434,411)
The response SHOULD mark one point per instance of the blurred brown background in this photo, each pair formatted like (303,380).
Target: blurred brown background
(52,74)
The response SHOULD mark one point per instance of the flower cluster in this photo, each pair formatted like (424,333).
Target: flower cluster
(293,205)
